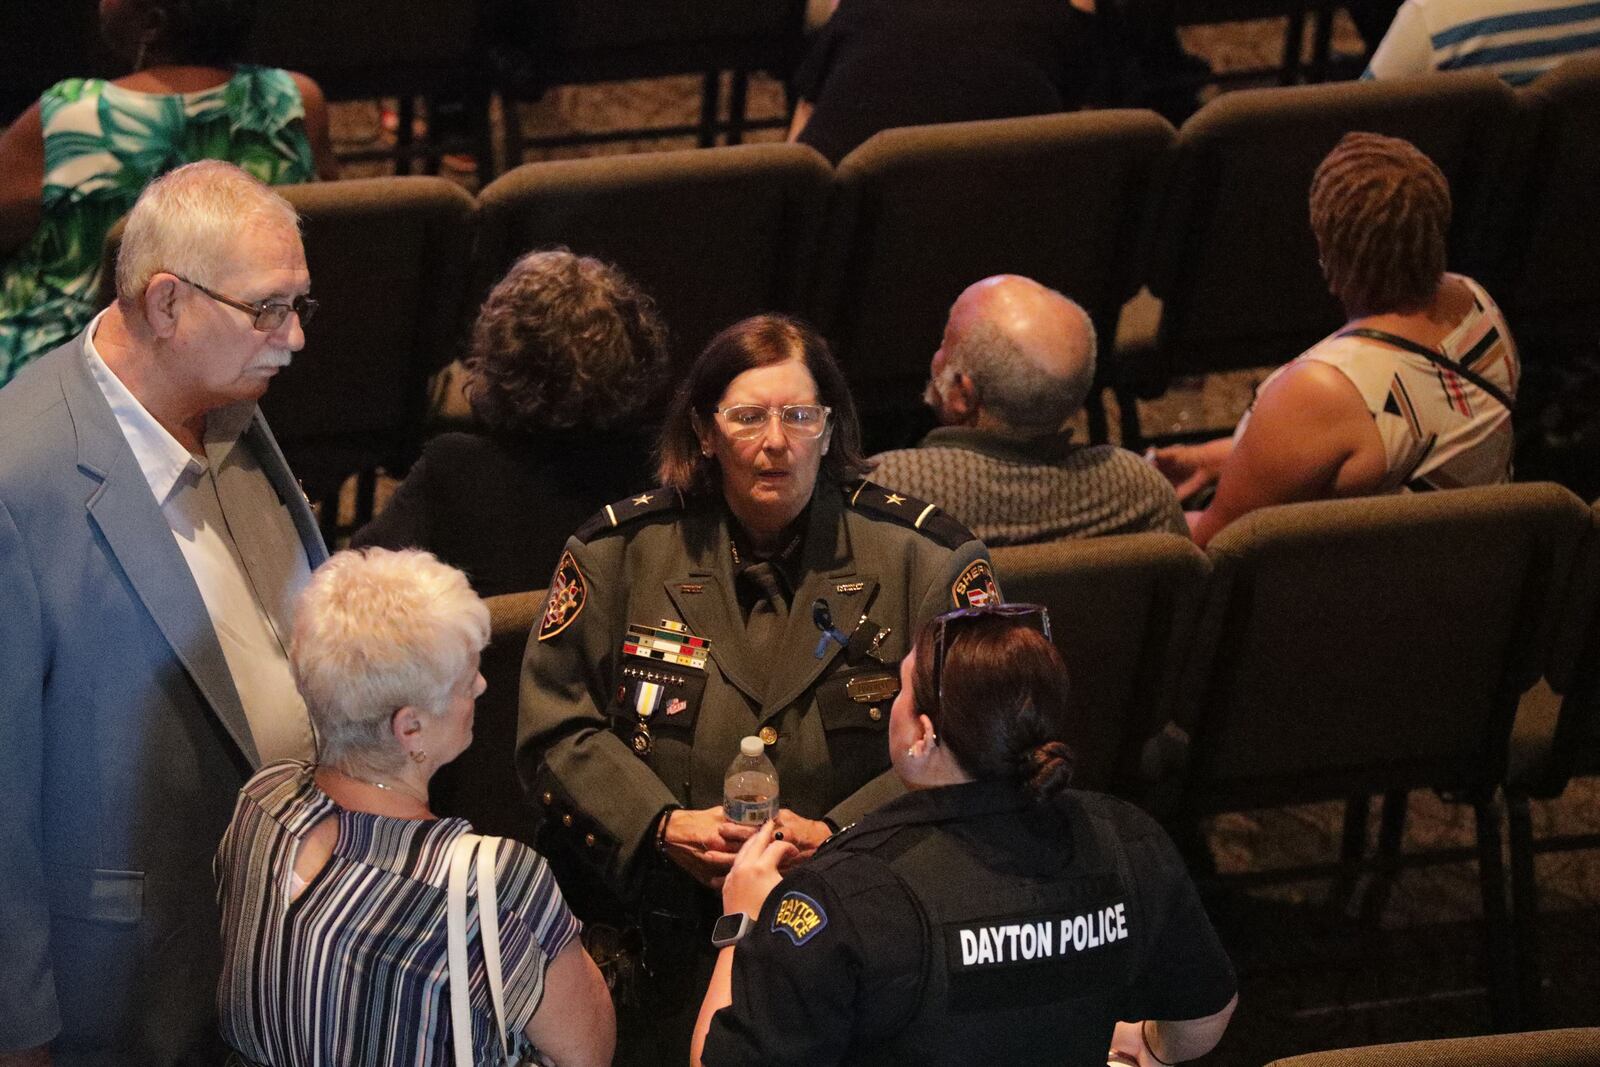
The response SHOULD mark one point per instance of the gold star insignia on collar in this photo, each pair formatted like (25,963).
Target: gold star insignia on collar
(642,499)
(894,498)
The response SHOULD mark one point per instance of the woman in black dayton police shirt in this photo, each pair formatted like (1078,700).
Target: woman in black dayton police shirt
(990,915)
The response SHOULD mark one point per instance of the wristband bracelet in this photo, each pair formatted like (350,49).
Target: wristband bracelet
(1143,1036)
(661,829)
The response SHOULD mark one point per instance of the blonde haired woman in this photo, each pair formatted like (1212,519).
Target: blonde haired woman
(333,875)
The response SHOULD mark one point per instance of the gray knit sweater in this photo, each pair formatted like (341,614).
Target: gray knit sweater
(1017,490)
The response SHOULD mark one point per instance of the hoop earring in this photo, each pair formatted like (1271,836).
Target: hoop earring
(418,757)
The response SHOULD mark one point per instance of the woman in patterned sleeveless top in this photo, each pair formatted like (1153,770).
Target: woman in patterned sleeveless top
(1413,393)
(74,162)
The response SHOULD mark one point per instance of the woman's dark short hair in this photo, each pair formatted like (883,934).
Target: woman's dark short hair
(1003,713)
(759,341)
(211,33)
(1380,210)
(563,341)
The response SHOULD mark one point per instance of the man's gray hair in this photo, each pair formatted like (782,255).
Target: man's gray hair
(187,222)
(374,631)
(1014,388)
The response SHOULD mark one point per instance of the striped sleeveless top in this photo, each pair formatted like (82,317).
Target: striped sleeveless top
(353,971)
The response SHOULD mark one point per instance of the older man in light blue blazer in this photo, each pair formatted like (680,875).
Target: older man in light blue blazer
(151,542)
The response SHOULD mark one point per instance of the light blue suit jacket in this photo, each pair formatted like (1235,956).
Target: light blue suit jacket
(123,742)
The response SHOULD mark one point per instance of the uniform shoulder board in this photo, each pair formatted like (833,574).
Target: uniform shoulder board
(629,509)
(873,499)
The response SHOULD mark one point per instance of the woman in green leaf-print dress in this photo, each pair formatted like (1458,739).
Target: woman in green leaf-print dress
(75,162)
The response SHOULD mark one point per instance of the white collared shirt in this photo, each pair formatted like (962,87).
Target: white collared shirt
(241,546)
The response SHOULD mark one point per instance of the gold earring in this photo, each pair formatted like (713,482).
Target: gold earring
(418,757)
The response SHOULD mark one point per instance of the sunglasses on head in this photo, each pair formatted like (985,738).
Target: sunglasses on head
(1035,616)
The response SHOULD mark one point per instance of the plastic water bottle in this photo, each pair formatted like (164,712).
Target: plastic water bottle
(750,790)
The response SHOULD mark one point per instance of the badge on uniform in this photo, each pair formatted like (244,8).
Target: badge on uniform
(566,598)
(800,917)
(975,587)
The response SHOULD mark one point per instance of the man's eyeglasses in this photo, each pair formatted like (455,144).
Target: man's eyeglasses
(1036,616)
(266,316)
(745,421)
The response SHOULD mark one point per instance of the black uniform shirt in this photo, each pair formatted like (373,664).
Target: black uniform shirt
(961,925)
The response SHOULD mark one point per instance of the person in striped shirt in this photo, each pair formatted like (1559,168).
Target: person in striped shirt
(332,876)
(1518,40)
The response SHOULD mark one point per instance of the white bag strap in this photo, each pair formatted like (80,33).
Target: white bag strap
(461,854)
(456,941)
(489,928)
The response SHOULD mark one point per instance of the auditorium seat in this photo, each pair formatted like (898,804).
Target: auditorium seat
(1555,739)
(1541,1048)
(922,212)
(481,784)
(386,258)
(1235,265)
(1122,613)
(1378,645)
(578,42)
(713,235)
(373,48)
(1552,298)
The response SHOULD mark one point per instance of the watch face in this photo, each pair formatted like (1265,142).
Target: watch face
(729,928)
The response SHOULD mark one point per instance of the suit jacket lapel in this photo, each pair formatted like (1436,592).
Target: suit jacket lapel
(265,448)
(127,516)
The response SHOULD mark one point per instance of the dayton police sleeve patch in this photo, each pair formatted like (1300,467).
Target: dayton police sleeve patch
(566,598)
(800,917)
(975,587)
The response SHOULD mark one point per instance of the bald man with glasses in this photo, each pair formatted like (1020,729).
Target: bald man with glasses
(152,539)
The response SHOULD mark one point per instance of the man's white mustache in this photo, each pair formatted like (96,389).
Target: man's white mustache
(274,360)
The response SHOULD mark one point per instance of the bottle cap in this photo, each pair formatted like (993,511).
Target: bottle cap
(752,746)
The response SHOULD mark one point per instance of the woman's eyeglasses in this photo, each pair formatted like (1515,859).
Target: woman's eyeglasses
(1036,616)
(744,421)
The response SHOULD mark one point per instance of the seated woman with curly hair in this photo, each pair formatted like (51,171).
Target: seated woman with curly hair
(990,915)
(565,357)
(1413,393)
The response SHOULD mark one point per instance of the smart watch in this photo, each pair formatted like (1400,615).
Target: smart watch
(730,929)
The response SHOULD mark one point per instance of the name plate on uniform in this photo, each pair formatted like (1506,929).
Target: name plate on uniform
(873,689)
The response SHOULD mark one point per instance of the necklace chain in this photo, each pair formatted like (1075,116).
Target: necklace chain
(385,786)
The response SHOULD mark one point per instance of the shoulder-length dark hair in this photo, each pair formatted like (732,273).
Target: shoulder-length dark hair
(1002,711)
(759,341)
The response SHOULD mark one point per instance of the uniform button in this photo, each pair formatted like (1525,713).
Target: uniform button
(588,839)
(874,714)
(548,799)
(768,735)
(566,820)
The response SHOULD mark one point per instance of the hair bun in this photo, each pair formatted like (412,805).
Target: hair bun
(1047,770)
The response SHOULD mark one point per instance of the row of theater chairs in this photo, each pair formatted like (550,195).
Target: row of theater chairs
(1212,218)
(1314,652)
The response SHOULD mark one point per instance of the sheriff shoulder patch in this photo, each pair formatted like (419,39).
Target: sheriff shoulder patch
(566,599)
(800,917)
(975,587)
